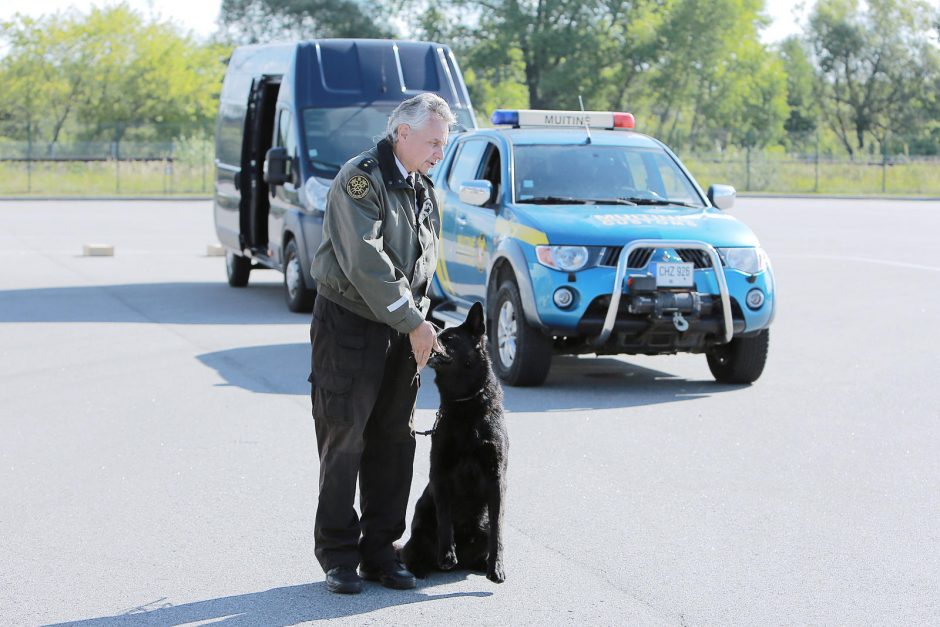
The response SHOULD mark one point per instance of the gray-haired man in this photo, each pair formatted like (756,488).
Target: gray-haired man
(369,338)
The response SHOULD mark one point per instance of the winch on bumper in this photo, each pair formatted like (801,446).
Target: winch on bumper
(641,317)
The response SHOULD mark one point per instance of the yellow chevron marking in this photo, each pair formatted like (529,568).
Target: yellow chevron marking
(520,232)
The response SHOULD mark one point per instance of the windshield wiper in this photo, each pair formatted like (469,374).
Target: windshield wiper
(568,200)
(657,201)
(554,200)
(613,201)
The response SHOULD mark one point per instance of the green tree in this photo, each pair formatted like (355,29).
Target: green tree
(873,66)
(704,74)
(102,75)
(804,113)
(260,21)
(147,77)
(43,71)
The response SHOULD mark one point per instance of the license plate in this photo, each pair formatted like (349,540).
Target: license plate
(674,274)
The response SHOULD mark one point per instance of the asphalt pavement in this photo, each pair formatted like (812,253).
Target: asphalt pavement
(158,461)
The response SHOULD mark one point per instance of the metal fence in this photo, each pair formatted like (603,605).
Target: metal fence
(186,168)
(97,168)
(773,172)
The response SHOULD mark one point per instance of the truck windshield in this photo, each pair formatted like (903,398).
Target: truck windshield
(336,135)
(597,174)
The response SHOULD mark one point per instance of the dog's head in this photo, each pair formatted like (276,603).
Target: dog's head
(464,347)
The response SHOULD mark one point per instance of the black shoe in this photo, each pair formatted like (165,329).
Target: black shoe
(343,580)
(391,574)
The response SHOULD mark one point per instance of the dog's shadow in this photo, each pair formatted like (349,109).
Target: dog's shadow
(281,606)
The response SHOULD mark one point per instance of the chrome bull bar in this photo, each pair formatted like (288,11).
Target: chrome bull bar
(617,291)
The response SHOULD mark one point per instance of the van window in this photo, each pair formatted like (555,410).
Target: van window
(287,139)
(336,135)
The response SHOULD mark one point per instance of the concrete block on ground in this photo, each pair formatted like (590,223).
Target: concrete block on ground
(98,250)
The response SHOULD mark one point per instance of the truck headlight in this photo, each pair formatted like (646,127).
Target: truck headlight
(566,258)
(313,194)
(750,260)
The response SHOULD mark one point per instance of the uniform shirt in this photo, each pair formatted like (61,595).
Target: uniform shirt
(410,177)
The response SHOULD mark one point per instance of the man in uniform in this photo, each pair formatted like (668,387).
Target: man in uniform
(369,338)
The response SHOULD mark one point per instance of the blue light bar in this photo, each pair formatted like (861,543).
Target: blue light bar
(505,117)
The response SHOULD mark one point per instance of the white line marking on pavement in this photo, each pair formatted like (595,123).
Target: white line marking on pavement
(883,262)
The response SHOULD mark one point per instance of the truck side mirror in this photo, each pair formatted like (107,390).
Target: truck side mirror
(276,170)
(721,196)
(476,192)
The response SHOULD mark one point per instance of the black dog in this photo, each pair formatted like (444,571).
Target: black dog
(458,519)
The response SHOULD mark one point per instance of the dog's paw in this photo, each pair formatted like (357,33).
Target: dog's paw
(496,574)
(448,560)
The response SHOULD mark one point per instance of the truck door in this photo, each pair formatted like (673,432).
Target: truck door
(474,241)
(459,267)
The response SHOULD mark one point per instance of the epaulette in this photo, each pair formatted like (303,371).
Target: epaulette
(367,164)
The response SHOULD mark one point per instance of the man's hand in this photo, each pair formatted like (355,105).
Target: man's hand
(423,341)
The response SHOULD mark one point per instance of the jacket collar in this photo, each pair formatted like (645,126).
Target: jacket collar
(391,174)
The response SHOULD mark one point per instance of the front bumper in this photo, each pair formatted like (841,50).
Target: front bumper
(604,319)
(617,289)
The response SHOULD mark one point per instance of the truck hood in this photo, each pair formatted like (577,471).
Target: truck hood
(607,225)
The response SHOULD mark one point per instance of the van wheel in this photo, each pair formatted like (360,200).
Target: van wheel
(741,360)
(237,268)
(521,355)
(299,297)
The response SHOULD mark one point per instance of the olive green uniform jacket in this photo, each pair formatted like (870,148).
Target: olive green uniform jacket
(377,257)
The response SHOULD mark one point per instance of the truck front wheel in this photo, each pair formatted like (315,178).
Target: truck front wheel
(521,355)
(741,360)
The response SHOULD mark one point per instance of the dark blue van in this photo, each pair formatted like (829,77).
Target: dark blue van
(290,115)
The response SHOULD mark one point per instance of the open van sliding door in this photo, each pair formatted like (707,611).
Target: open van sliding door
(259,131)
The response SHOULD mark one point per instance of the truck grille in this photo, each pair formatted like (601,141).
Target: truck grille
(693,255)
(641,256)
(638,258)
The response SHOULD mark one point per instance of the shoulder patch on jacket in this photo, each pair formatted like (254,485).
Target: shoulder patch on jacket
(367,164)
(357,187)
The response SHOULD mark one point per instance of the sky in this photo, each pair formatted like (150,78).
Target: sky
(200,16)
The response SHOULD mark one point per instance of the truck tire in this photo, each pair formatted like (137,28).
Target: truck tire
(521,355)
(237,268)
(741,360)
(298,296)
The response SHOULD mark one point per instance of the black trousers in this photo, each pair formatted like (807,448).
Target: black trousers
(363,388)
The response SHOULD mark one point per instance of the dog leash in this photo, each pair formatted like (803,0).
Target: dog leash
(437,416)
(437,419)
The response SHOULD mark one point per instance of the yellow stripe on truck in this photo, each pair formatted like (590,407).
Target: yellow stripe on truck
(520,232)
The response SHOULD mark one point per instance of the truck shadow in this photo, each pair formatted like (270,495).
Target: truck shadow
(160,303)
(289,605)
(574,383)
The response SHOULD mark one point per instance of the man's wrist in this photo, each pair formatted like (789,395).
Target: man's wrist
(410,322)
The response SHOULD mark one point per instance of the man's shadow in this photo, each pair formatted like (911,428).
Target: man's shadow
(573,383)
(279,606)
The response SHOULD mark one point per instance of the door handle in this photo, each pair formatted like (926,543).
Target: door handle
(461,219)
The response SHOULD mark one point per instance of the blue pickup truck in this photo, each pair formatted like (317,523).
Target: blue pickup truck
(582,236)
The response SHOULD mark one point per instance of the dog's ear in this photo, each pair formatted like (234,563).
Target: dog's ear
(475,322)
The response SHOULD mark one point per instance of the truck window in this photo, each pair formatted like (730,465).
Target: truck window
(492,171)
(466,164)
